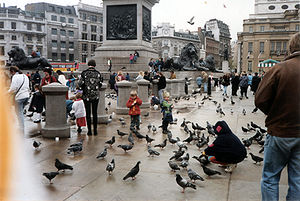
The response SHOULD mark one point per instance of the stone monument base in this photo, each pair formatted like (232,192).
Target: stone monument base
(62,132)
(225,67)
(103,119)
(120,58)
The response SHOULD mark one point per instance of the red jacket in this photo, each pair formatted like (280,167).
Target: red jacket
(134,108)
(49,80)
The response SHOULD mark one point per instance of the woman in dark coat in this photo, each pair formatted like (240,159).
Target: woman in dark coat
(255,82)
(235,81)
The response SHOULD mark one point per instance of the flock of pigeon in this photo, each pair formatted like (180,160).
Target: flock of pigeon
(197,136)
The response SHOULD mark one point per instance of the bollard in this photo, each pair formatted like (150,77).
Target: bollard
(124,88)
(56,121)
(102,116)
(155,88)
(143,92)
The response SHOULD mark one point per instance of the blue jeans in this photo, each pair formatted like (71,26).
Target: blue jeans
(205,87)
(225,89)
(278,153)
(20,111)
(160,95)
(72,86)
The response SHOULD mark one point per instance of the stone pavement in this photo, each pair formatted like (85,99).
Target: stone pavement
(90,181)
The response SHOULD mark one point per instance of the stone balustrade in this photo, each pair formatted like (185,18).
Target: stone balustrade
(143,92)
(124,88)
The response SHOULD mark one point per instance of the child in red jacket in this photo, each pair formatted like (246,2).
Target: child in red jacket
(133,104)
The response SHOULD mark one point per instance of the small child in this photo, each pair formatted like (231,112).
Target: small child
(79,111)
(166,108)
(37,104)
(134,104)
(227,149)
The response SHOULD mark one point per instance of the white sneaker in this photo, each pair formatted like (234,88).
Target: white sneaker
(230,167)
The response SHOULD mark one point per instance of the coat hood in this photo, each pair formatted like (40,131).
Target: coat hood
(221,127)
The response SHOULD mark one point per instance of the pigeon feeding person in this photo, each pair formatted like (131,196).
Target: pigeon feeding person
(227,149)
(166,109)
(134,104)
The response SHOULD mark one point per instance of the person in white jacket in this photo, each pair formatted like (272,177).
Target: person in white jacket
(79,112)
(61,78)
(20,88)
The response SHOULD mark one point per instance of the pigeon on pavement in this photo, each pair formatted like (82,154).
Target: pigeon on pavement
(257,159)
(50,175)
(173,166)
(130,139)
(102,154)
(121,134)
(194,176)
(209,172)
(36,144)
(162,145)
(152,152)
(62,166)
(110,166)
(133,172)
(149,139)
(111,141)
(184,183)
(126,147)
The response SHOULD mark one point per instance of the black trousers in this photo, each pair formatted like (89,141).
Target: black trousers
(244,91)
(94,105)
(234,90)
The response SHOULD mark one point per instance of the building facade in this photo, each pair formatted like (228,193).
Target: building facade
(221,33)
(266,33)
(61,30)
(169,43)
(22,29)
(90,30)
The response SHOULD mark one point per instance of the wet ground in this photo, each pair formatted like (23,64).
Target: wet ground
(155,181)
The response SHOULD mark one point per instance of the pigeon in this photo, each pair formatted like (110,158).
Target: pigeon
(232,102)
(189,139)
(244,112)
(36,144)
(154,129)
(146,115)
(186,129)
(149,127)
(180,144)
(208,171)
(177,154)
(172,141)
(250,128)
(109,104)
(261,150)
(152,152)
(231,111)
(194,176)
(138,135)
(111,141)
(121,119)
(130,139)
(121,134)
(257,159)
(133,172)
(123,123)
(126,147)
(262,130)
(221,112)
(183,123)
(149,139)
(183,183)
(245,129)
(186,157)
(102,154)
(247,142)
(50,175)
(74,149)
(61,166)
(162,145)
(224,99)
(173,166)
(254,125)
(261,143)
(184,164)
(110,166)
(254,110)
(200,127)
(202,159)
(201,144)
(215,102)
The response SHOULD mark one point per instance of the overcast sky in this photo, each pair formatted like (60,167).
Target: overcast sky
(178,12)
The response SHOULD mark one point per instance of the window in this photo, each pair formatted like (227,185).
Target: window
(71,33)
(93,37)
(101,30)
(278,47)
(297,6)
(29,50)
(39,27)
(71,57)
(84,47)
(13,37)
(93,48)
(250,66)
(54,31)
(63,44)
(71,20)
(93,28)
(84,27)
(272,46)
(83,16)
(60,10)
(84,58)
(2,51)
(261,47)
(54,56)
(1,25)
(250,47)
(13,25)
(62,32)
(63,56)
(1,37)
(101,18)
(69,11)
(39,38)
(250,29)
(53,18)
(271,7)
(84,36)
(284,7)
(54,43)
(62,19)
(29,37)
(52,8)
(262,28)
(284,45)
(101,38)
(29,26)
(40,49)
(93,18)
(71,45)
(297,27)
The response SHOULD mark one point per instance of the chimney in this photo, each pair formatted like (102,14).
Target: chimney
(3,5)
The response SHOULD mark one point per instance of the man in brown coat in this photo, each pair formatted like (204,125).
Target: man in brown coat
(278,96)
